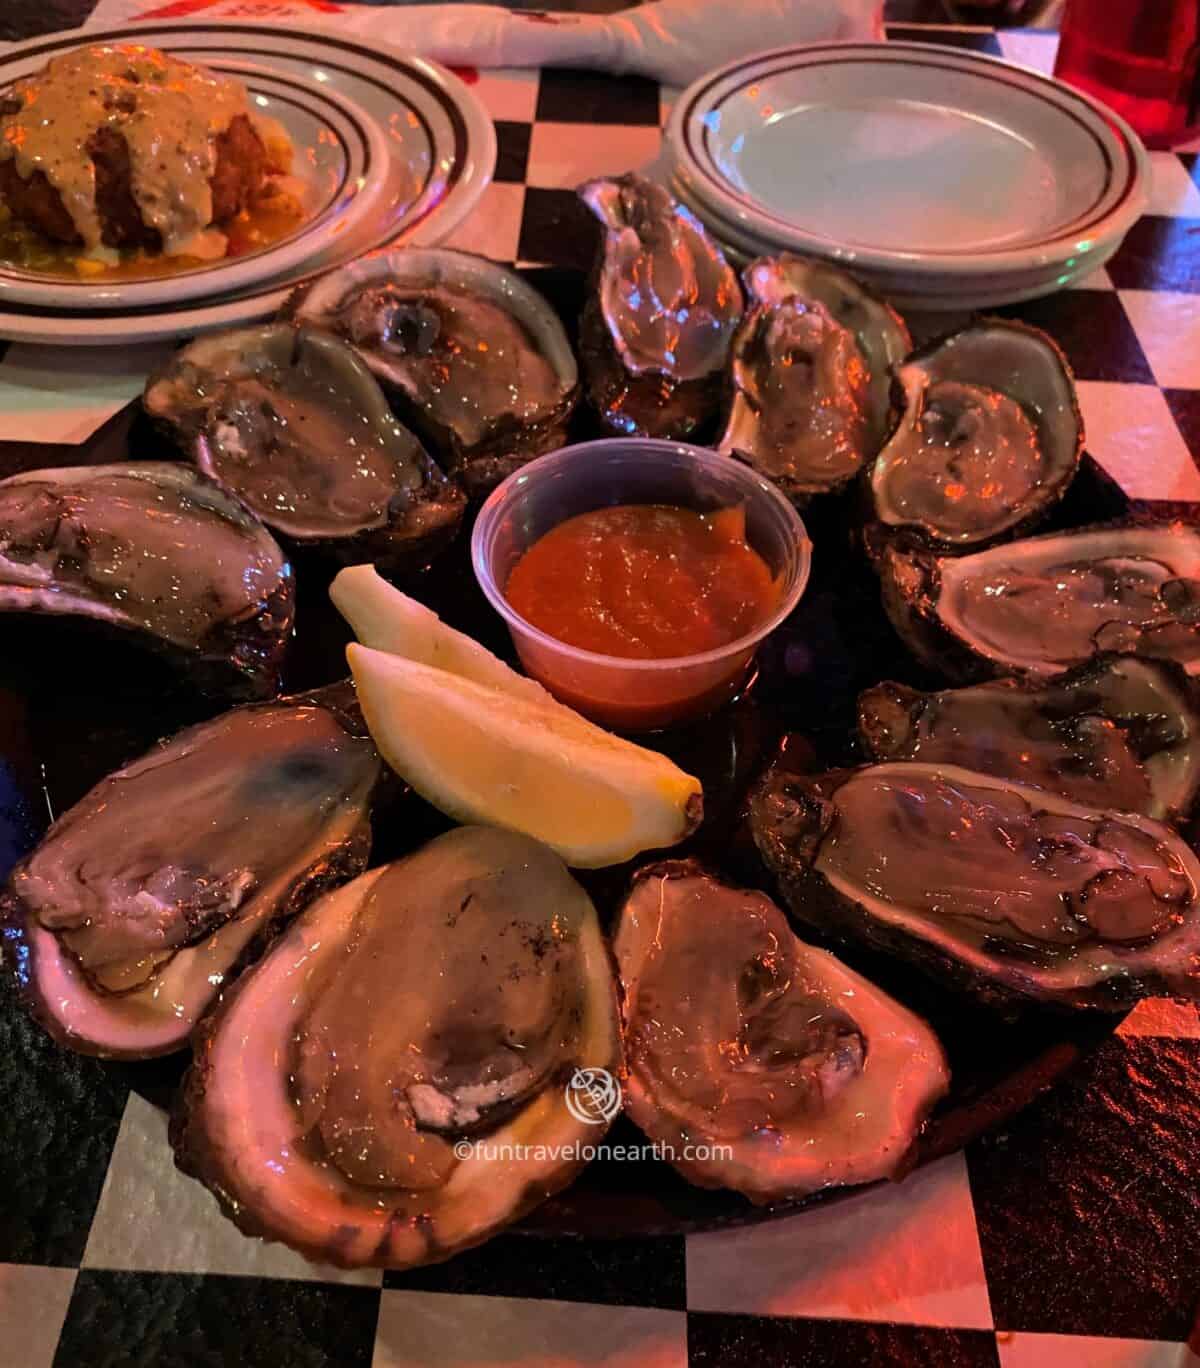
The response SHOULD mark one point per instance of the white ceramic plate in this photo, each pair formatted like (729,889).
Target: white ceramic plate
(913,290)
(436,141)
(336,146)
(909,156)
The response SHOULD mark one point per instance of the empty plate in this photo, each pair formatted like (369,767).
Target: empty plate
(913,289)
(907,155)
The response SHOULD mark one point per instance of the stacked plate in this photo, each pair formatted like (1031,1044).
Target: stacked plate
(945,178)
(388,148)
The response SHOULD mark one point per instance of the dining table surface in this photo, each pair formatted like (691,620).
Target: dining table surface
(1069,1236)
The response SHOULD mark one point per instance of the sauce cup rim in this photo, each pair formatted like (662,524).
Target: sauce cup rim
(756,486)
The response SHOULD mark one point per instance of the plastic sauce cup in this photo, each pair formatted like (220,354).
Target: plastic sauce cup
(635,695)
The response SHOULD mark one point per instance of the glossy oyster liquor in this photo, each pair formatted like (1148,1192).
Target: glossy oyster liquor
(799,1073)
(989,439)
(1041,605)
(157,552)
(1013,893)
(470,355)
(335,1094)
(125,922)
(659,318)
(1119,732)
(293,423)
(811,376)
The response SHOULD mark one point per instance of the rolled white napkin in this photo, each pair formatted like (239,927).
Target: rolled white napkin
(672,41)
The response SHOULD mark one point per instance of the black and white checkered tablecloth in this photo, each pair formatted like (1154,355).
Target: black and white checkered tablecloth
(1070,1239)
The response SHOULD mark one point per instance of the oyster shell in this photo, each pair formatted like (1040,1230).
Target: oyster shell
(1018,894)
(660,314)
(1118,732)
(737,1033)
(473,358)
(141,900)
(448,998)
(1042,605)
(989,440)
(293,423)
(158,551)
(811,373)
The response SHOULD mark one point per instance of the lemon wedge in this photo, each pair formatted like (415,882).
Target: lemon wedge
(526,762)
(387,620)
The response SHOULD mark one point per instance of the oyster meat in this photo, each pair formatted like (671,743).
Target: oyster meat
(1042,605)
(156,550)
(1118,732)
(989,439)
(141,900)
(293,423)
(1015,893)
(660,314)
(473,358)
(785,1069)
(388,1085)
(811,372)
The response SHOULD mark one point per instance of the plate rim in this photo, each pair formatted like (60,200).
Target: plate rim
(1109,199)
(711,189)
(934,294)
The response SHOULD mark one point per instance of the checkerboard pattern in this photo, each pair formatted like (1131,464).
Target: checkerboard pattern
(1069,1240)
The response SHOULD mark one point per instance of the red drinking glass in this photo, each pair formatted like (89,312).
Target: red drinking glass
(1138,56)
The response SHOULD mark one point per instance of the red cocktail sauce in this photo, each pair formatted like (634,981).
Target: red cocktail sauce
(646,582)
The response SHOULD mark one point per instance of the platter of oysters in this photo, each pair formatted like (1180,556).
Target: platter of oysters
(401,934)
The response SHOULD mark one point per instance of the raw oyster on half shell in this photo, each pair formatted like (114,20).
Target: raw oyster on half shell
(1119,732)
(389,1084)
(811,370)
(661,311)
(1014,893)
(740,1037)
(155,550)
(293,423)
(472,358)
(140,902)
(989,439)
(1042,605)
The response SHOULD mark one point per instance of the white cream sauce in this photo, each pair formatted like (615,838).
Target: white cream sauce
(170,114)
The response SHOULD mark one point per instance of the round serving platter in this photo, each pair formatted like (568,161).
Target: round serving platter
(73,708)
(429,148)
